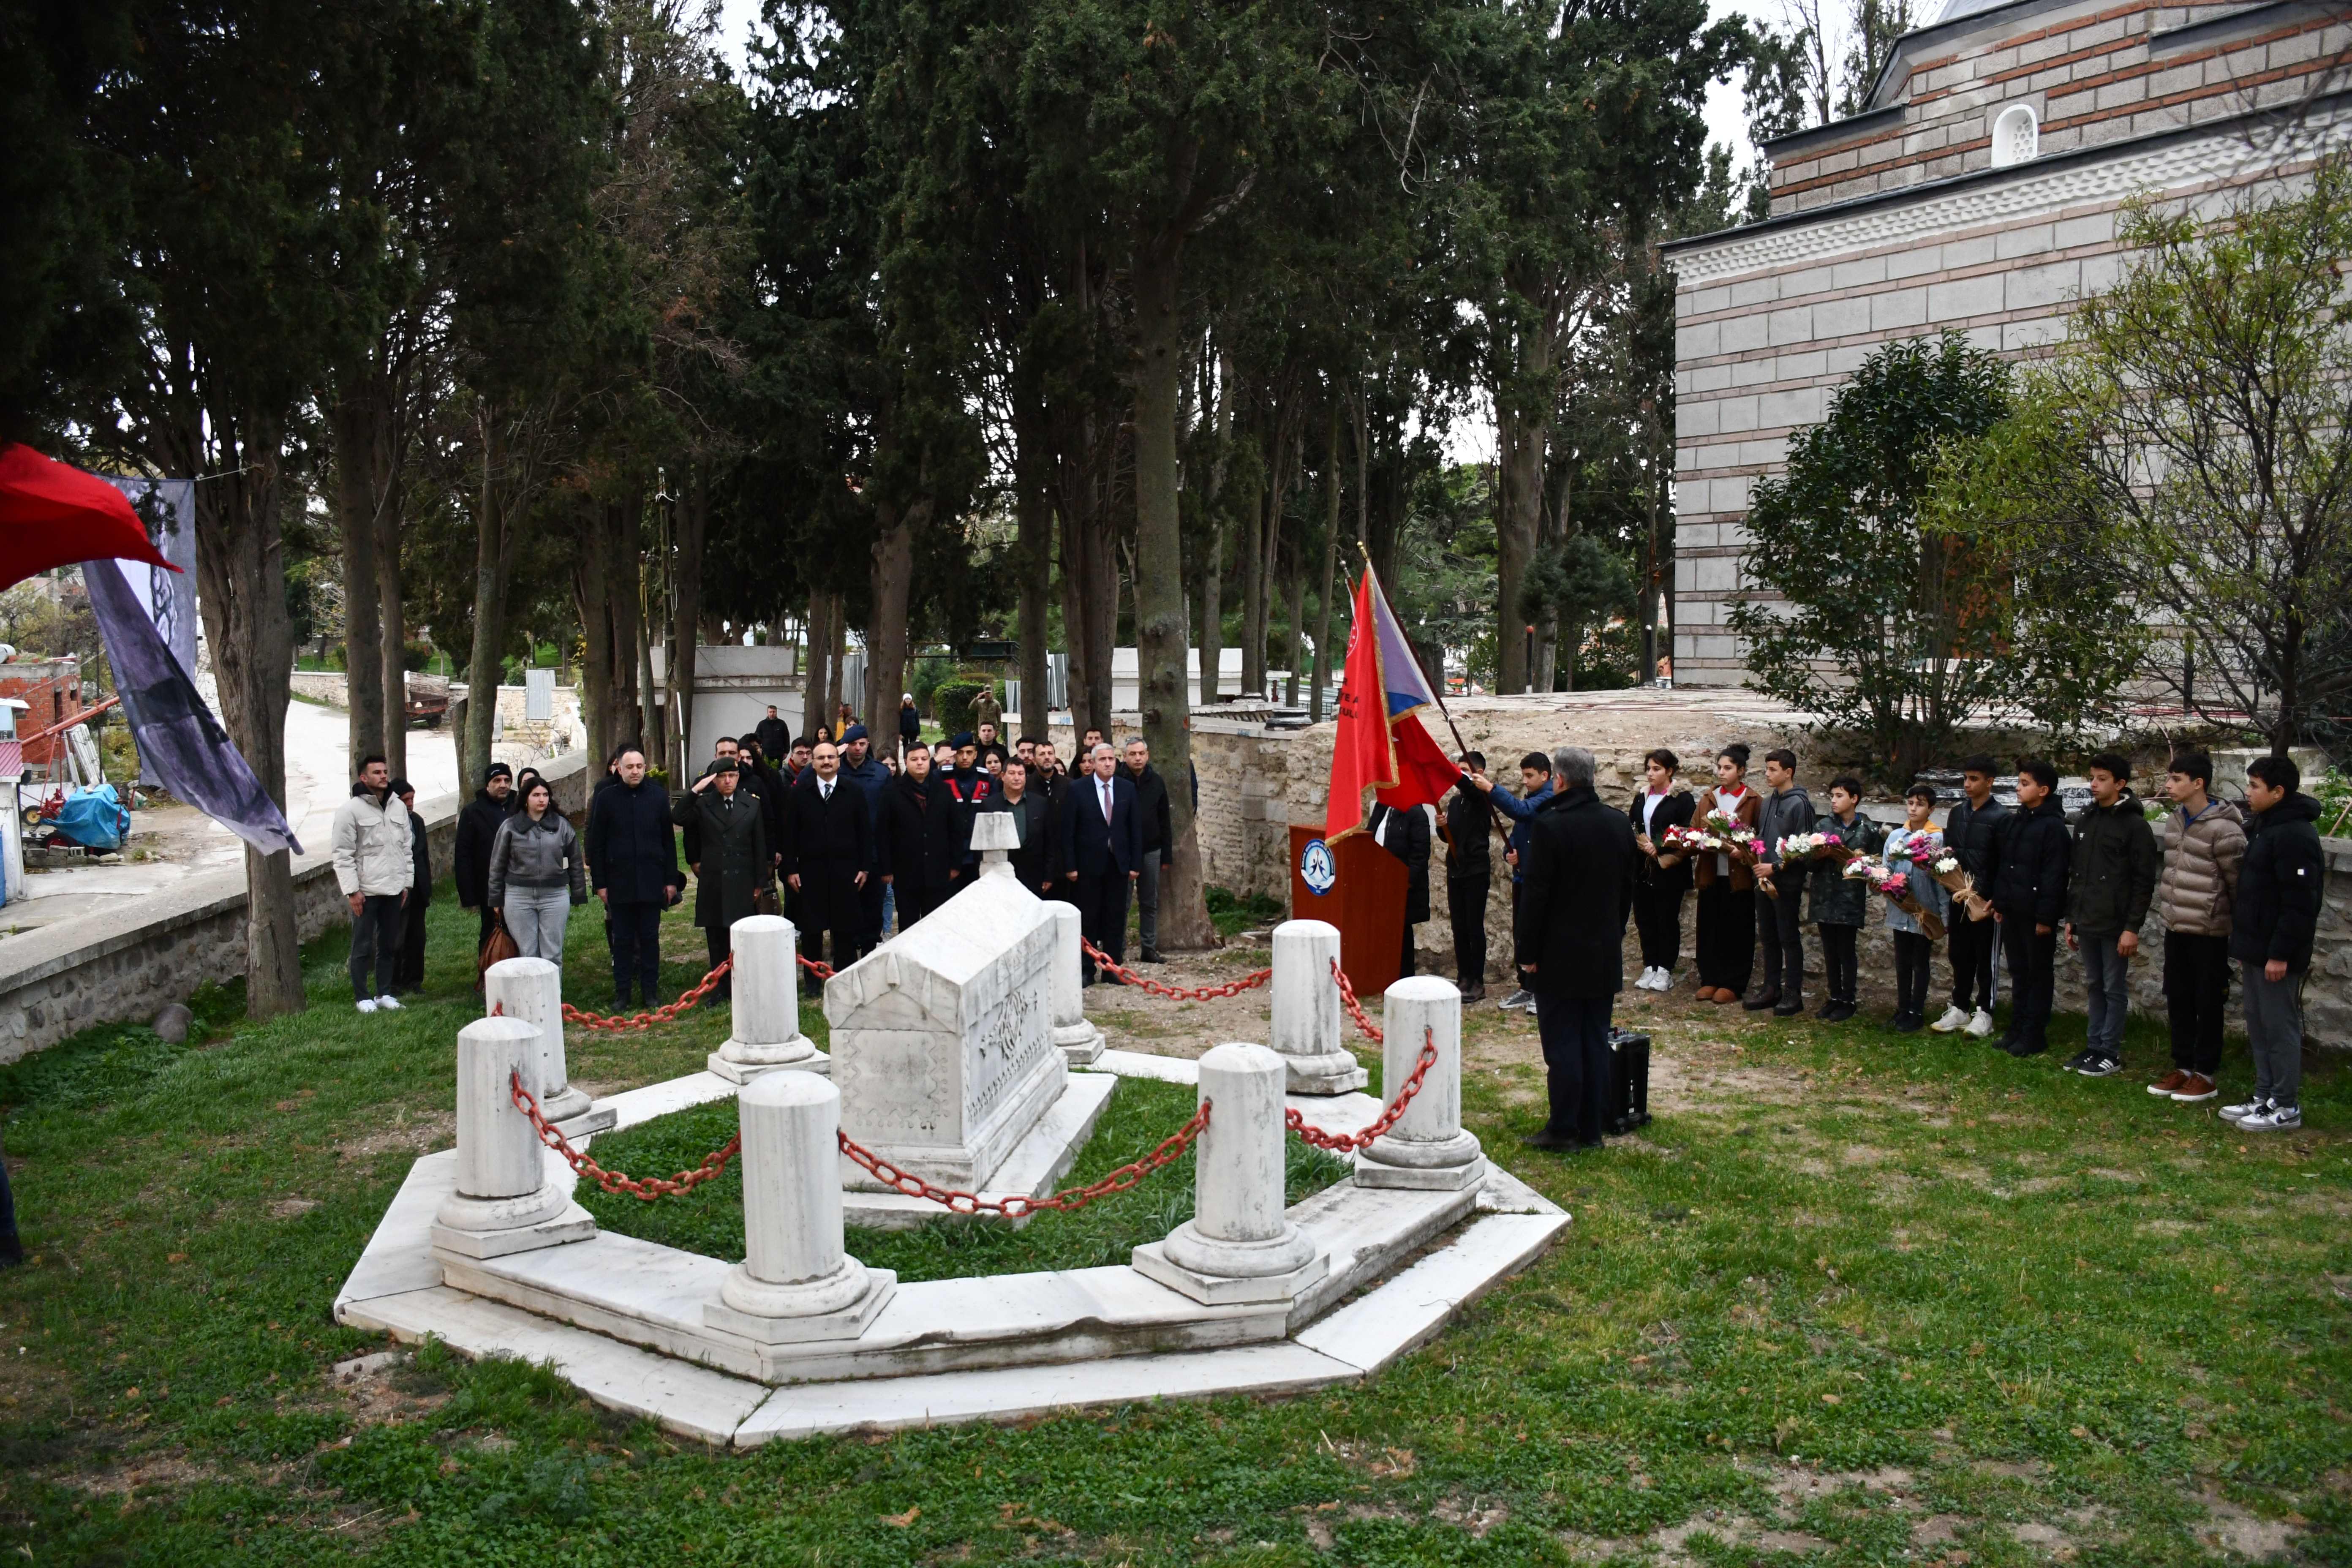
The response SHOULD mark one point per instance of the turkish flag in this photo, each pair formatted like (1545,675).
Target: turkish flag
(52,514)
(1380,750)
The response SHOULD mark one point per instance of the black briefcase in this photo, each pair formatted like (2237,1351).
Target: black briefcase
(1629,1080)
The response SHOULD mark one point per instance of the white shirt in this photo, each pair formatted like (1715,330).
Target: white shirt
(1650,804)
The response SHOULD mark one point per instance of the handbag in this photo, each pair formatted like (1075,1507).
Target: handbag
(763,901)
(497,948)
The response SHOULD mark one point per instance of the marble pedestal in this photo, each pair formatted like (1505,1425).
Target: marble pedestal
(1307,1019)
(1077,1036)
(532,989)
(1239,1245)
(1428,1148)
(767,1007)
(504,1202)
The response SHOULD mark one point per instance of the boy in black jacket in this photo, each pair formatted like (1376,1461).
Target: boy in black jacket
(2029,899)
(1972,831)
(2271,933)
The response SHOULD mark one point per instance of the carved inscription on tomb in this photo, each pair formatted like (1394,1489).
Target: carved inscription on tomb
(1009,1040)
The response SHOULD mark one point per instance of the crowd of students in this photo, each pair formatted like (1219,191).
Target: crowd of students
(2233,886)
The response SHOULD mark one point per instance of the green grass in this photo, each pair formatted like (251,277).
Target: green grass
(2016,1300)
(710,1219)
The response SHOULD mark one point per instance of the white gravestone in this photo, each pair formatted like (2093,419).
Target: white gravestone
(532,989)
(1079,1037)
(1308,1017)
(1240,1244)
(766,1033)
(1427,1148)
(943,1038)
(504,1202)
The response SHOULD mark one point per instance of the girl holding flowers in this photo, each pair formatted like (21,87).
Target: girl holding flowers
(1913,849)
(1727,882)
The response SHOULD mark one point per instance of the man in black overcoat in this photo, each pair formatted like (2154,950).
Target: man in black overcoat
(477,829)
(828,848)
(922,839)
(726,844)
(1103,851)
(1576,890)
(1405,835)
(633,864)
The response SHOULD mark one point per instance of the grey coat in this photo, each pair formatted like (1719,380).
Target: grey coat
(545,854)
(1838,899)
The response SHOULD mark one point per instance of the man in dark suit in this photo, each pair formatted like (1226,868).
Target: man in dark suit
(633,862)
(775,735)
(922,840)
(1576,890)
(1034,813)
(828,849)
(1104,850)
(1469,877)
(1405,835)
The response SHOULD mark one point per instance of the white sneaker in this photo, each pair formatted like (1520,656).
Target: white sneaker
(367,1004)
(389,1003)
(1665,982)
(2244,1108)
(1953,1018)
(1649,981)
(1980,1024)
(2273,1119)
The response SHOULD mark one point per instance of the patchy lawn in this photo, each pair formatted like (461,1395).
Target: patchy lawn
(1855,1298)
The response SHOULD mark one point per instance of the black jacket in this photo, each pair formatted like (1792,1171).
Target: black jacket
(1151,811)
(2030,857)
(420,886)
(477,829)
(826,837)
(1576,891)
(775,738)
(1408,840)
(632,852)
(1091,847)
(1673,811)
(726,841)
(2112,874)
(1469,849)
(2279,885)
(1038,860)
(922,834)
(1973,836)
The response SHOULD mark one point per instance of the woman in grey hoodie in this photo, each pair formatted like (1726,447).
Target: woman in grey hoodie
(536,875)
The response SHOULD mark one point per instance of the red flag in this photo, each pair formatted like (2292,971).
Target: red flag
(1381,750)
(54,515)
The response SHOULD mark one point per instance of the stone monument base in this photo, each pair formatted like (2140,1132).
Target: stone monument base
(1151,1261)
(1339,1073)
(1081,1043)
(740,1073)
(1042,1158)
(570,1223)
(842,1323)
(595,1119)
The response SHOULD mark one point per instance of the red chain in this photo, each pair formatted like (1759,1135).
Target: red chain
(664,1015)
(650,1188)
(1250,982)
(1170,1150)
(1348,1143)
(821,971)
(1355,1008)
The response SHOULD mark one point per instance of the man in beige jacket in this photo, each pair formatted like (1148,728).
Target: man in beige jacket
(374,865)
(2203,841)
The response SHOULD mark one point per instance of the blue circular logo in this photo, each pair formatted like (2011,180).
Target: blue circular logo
(1316,868)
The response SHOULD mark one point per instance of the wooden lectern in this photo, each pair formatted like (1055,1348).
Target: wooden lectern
(1366,901)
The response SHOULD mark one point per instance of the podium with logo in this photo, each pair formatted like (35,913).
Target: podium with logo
(1359,887)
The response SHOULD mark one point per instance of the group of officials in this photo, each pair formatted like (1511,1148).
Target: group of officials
(844,842)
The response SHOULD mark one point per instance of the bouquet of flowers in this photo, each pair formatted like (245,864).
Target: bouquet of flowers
(1945,867)
(1895,882)
(1800,848)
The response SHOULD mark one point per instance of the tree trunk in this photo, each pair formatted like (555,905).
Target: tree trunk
(650,709)
(687,614)
(816,700)
(482,667)
(588,593)
(355,421)
(1294,642)
(1165,691)
(1518,521)
(1330,564)
(241,592)
(1254,593)
(1033,509)
(392,627)
(621,611)
(890,575)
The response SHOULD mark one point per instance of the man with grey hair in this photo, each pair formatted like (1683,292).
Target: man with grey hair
(1576,894)
(1103,844)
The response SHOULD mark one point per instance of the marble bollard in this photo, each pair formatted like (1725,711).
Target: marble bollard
(1240,1245)
(532,989)
(1307,1019)
(994,836)
(796,1281)
(505,1201)
(1427,1148)
(1080,1038)
(766,1037)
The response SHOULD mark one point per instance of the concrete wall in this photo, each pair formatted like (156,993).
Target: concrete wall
(61,979)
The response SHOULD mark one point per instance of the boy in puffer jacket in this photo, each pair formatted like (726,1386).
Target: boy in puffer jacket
(2204,843)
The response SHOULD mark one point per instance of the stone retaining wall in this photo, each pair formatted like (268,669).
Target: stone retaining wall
(61,979)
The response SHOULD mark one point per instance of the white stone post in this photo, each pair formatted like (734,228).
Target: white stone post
(1080,1038)
(766,1036)
(796,1281)
(1308,1017)
(995,835)
(532,989)
(1240,1245)
(504,1202)
(1427,1148)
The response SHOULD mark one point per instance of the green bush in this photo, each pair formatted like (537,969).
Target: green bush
(952,699)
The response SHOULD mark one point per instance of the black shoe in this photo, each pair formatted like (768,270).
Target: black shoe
(1559,1142)
(621,1002)
(2004,1040)
(1839,1012)
(1475,992)
(1151,955)
(2027,1047)
(1791,1009)
(1758,1003)
(2101,1066)
(1910,1023)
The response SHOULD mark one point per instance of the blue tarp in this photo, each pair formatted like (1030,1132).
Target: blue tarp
(94,818)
